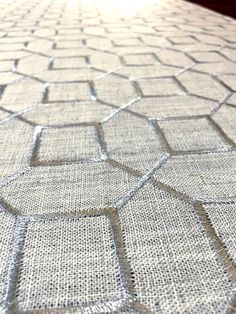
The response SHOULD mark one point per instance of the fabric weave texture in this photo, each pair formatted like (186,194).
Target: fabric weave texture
(118,157)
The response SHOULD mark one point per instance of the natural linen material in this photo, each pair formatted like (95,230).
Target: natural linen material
(118,157)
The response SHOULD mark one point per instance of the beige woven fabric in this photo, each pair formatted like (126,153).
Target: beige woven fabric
(118,157)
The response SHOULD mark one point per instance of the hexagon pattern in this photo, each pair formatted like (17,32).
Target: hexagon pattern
(118,157)
(96,254)
(191,255)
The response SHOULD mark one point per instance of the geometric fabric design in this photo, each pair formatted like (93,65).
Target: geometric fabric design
(183,256)
(77,280)
(117,157)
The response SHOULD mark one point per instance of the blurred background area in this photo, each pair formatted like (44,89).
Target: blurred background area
(227,7)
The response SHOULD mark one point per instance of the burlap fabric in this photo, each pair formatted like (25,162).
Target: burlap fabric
(117,157)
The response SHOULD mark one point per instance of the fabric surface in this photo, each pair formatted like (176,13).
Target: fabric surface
(118,159)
